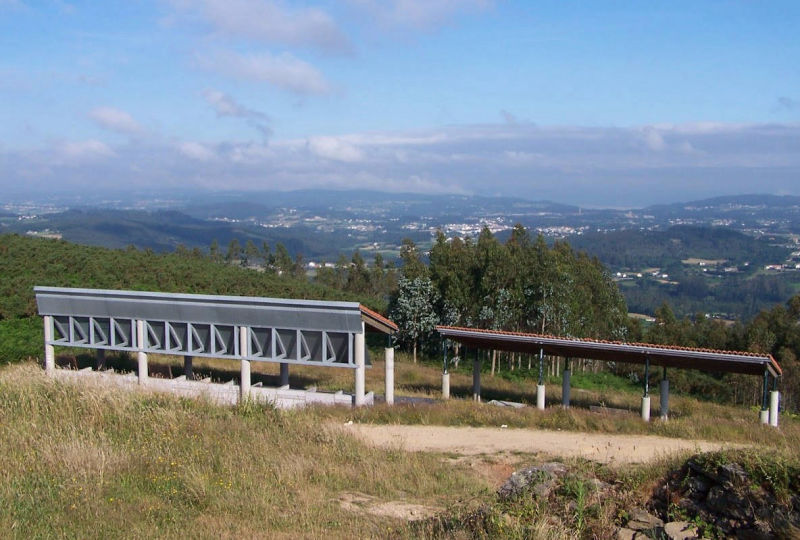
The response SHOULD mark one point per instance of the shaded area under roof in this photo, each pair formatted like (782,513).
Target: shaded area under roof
(213,309)
(616,351)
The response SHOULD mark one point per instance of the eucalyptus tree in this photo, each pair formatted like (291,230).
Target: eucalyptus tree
(413,311)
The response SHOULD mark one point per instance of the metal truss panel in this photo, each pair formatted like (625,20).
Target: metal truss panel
(108,320)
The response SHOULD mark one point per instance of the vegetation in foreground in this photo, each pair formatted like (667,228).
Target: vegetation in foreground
(83,460)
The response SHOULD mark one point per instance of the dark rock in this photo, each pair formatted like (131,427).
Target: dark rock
(753,534)
(783,526)
(697,487)
(540,480)
(729,503)
(696,467)
(732,475)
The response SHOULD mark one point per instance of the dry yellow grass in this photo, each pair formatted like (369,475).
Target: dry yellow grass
(82,461)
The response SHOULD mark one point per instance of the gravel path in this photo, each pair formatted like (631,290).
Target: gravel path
(601,447)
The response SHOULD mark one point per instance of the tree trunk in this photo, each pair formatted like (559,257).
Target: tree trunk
(415,351)
(494,361)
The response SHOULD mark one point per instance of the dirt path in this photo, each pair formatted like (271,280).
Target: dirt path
(468,441)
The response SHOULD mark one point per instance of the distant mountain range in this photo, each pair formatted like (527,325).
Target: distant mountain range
(324,223)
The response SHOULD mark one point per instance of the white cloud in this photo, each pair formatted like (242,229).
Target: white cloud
(115,119)
(336,149)
(284,70)
(580,165)
(271,22)
(196,151)
(85,150)
(419,14)
(653,139)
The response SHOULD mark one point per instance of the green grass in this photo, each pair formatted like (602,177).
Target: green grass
(86,460)
(82,461)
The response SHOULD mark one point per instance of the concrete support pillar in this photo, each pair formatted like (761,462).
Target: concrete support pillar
(774,399)
(476,378)
(388,356)
(100,359)
(445,373)
(565,387)
(360,358)
(244,350)
(284,374)
(664,398)
(763,416)
(49,351)
(646,408)
(540,397)
(141,355)
(188,369)
(646,396)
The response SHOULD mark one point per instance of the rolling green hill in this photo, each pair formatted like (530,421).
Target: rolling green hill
(26,262)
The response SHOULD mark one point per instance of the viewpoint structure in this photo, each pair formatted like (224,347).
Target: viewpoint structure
(244,329)
(647,354)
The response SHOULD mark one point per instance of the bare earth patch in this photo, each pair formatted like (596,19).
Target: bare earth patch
(359,502)
(600,447)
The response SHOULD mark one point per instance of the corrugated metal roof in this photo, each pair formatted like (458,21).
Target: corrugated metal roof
(663,355)
(212,309)
(377,321)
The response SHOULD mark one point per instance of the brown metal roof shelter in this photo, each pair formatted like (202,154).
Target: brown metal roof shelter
(635,353)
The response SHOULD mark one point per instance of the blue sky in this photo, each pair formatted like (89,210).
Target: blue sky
(595,103)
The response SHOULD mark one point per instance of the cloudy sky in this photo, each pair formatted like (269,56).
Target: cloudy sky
(598,103)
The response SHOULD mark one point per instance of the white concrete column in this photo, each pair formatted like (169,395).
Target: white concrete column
(360,357)
(188,368)
(476,378)
(284,374)
(244,350)
(388,356)
(49,350)
(141,355)
(100,359)
(565,387)
(763,416)
(664,399)
(446,385)
(540,397)
(774,399)
(646,408)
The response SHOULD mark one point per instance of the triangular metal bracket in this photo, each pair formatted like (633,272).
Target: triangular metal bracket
(97,330)
(277,344)
(255,347)
(151,337)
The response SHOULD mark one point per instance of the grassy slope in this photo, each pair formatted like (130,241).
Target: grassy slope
(82,461)
(89,461)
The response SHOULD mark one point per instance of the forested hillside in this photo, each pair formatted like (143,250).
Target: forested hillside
(26,262)
(708,269)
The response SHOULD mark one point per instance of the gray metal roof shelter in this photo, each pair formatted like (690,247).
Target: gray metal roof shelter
(245,329)
(307,332)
